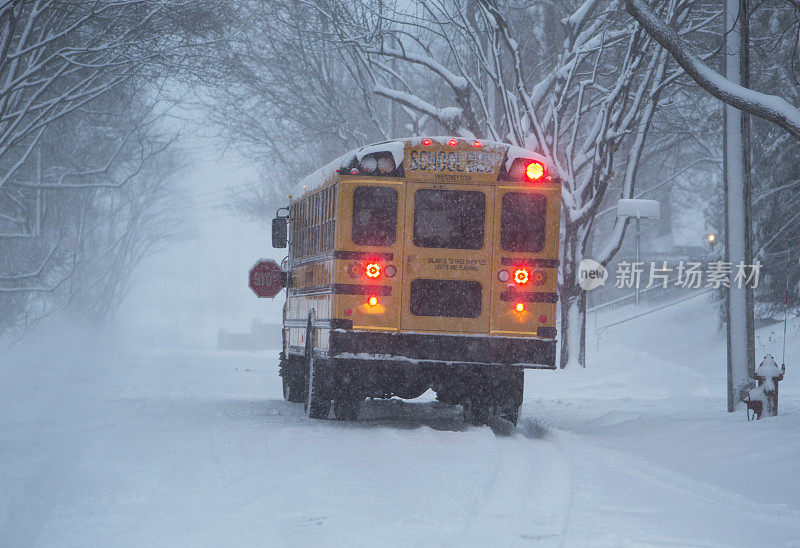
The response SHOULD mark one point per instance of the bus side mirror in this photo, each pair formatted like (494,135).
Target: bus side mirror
(279,231)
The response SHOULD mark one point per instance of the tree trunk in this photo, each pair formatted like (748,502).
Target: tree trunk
(572,301)
(573,328)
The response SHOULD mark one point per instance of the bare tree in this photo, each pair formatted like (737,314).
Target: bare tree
(769,107)
(288,96)
(97,194)
(579,83)
(774,65)
(79,80)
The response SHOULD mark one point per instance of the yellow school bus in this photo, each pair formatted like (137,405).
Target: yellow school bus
(416,264)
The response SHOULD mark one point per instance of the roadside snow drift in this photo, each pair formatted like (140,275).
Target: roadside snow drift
(103,443)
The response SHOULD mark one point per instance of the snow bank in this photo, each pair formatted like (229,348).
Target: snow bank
(110,444)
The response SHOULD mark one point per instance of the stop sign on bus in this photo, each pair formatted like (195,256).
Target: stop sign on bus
(266,279)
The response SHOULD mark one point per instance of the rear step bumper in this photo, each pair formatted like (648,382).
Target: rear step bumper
(452,349)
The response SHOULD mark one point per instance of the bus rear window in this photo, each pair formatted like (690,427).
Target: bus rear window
(448,298)
(522,222)
(449,219)
(374,215)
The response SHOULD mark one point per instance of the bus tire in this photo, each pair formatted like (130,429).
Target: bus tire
(346,409)
(316,406)
(448,398)
(293,380)
(490,399)
(477,411)
(510,413)
(509,395)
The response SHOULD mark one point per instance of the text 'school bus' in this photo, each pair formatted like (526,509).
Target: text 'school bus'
(416,264)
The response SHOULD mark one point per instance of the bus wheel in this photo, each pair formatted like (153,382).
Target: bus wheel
(477,411)
(294,382)
(481,413)
(346,409)
(449,398)
(510,393)
(510,413)
(316,407)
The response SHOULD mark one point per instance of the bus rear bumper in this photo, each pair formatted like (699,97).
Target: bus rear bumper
(431,348)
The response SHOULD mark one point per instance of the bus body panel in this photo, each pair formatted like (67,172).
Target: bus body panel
(353,259)
(423,265)
(506,319)
(331,284)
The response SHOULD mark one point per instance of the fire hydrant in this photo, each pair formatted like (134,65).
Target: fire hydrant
(763,399)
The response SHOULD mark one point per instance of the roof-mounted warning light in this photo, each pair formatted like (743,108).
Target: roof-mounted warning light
(534,171)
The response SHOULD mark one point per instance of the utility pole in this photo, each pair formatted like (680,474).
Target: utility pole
(738,219)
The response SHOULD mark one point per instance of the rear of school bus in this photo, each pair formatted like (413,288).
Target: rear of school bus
(445,274)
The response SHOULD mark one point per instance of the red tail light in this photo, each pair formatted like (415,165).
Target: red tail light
(534,171)
(542,319)
(373,270)
(521,276)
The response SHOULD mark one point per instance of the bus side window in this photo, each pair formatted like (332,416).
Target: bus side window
(307,227)
(522,222)
(374,215)
(315,223)
(318,222)
(329,219)
(300,229)
(304,228)
(292,217)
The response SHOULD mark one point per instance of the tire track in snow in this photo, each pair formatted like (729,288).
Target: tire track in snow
(529,496)
(566,514)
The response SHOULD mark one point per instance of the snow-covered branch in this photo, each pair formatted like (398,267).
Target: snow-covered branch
(449,117)
(766,106)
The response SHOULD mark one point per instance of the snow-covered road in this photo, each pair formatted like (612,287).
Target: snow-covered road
(109,445)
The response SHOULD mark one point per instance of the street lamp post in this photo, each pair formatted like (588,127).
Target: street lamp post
(638,209)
